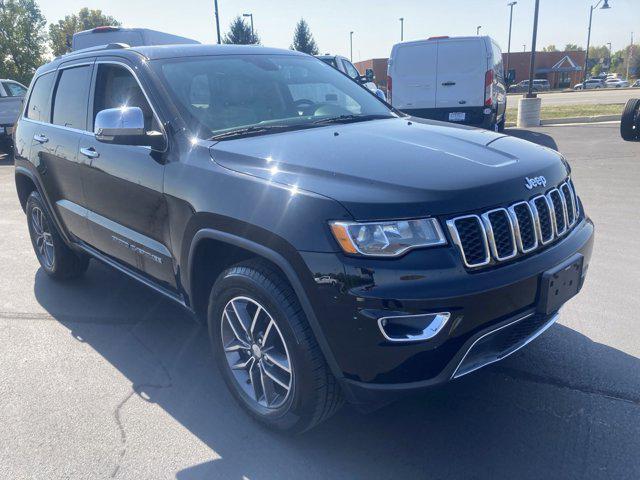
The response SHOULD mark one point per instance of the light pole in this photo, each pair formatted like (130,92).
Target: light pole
(478,29)
(605,6)
(401,29)
(250,15)
(610,52)
(351,46)
(532,64)
(215,8)
(510,5)
(629,55)
(524,47)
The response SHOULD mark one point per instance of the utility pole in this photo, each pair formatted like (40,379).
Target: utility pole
(629,55)
(250,15)
(524,47)
(215,11)
(351,46)
(532,64)
(401,29)
(510,5)
(586,58)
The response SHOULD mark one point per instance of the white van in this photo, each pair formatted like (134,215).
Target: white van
(131,36)
(454,79)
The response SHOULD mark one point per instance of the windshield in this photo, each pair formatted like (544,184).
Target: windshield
(223,94)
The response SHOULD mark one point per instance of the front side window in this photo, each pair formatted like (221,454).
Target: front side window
(71,97)
(116,87)
(39,103)
(14,89)
(351,70)
(222,93)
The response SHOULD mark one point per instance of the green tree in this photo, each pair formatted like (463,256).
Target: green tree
(303,40)
(22,39)
(60,33)
(569,47)
(240,33)
(550,48)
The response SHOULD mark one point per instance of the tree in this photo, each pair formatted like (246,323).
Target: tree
(60,33)
(550,48)
(303,40)
(22,39)
(571,47)
(240,33)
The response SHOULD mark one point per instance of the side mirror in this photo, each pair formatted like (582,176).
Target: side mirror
(125,126)
(369,75)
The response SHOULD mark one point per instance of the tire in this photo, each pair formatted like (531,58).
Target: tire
(630,120)
(55,257)
(313,393)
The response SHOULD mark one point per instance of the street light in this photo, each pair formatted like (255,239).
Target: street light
(478,29)
(401,29)
(215,8)
(351,46)
(251,16)
(605,6)
(510,5)
(524,47)
(532,64)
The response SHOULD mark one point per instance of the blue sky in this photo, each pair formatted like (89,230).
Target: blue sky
(374,22)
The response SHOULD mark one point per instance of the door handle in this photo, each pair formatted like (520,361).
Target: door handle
(89,152)
(40,138)
(448,84)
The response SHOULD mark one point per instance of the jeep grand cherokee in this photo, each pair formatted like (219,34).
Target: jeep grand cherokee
(336,248)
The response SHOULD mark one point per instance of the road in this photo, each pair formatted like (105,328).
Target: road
(100,378)
(611,95)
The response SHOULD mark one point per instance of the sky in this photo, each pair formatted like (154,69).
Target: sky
(375,23)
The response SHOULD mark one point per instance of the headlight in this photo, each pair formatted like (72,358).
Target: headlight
(387,239)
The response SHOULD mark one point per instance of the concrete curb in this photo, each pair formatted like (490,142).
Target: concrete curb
(560,121)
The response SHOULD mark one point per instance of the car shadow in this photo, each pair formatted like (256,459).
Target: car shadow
(564,407)
(536,137)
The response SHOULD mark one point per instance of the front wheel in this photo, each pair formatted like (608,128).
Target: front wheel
(266,351)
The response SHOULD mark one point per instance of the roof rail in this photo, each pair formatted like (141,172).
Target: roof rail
(109,46)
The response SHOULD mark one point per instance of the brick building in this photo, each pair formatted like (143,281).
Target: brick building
(562,69)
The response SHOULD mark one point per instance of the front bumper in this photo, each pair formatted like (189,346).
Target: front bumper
(426,281)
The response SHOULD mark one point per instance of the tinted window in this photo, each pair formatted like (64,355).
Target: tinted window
(38,108)
(14,89)
(71,97)
(116,87)
(351,70)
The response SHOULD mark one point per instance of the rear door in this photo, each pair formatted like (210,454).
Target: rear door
(413,73)
(462,65)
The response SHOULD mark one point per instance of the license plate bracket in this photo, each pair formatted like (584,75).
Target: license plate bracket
(457,116)
(560,284)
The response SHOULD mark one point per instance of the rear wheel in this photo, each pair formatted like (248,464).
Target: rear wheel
(266,351)
(55,257)
(630,120)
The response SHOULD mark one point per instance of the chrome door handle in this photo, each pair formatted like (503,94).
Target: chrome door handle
(448,84)
(40,138)
(89,152)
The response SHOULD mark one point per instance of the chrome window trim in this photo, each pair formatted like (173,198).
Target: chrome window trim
(536,215)
(553,210)
(516,226)
(491,237)
(573,202)
(453,230)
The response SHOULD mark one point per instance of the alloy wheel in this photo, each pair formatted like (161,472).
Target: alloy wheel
(256,352)
(43,239)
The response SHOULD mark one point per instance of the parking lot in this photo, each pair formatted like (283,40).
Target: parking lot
(102,378)
(588,97)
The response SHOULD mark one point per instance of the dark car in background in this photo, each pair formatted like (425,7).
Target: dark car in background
(539,85)
(336,248)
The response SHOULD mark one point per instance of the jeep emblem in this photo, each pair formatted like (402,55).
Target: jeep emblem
(535,182)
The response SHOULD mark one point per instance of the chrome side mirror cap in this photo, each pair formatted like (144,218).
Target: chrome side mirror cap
(114,125)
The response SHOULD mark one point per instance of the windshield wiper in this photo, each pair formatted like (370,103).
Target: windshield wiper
(254,129)
(350,118)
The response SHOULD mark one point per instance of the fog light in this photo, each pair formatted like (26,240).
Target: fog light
(413,328)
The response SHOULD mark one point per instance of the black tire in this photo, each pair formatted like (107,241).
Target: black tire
(55,257)
(630,120)
(314,393)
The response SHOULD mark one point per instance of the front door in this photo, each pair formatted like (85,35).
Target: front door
(124,183)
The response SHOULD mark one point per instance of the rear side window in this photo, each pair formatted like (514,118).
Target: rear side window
(39,102)
(71,98)
(14,89)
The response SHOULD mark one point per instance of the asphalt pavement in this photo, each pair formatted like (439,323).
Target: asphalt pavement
(102,378)
(600,96)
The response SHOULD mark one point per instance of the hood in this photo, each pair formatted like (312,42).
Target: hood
(397,168)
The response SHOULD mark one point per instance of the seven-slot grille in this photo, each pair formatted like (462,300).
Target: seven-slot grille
(503,233)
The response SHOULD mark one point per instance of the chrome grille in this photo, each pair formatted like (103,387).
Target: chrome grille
(504,233)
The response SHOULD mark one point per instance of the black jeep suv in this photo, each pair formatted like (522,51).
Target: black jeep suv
(336,248)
